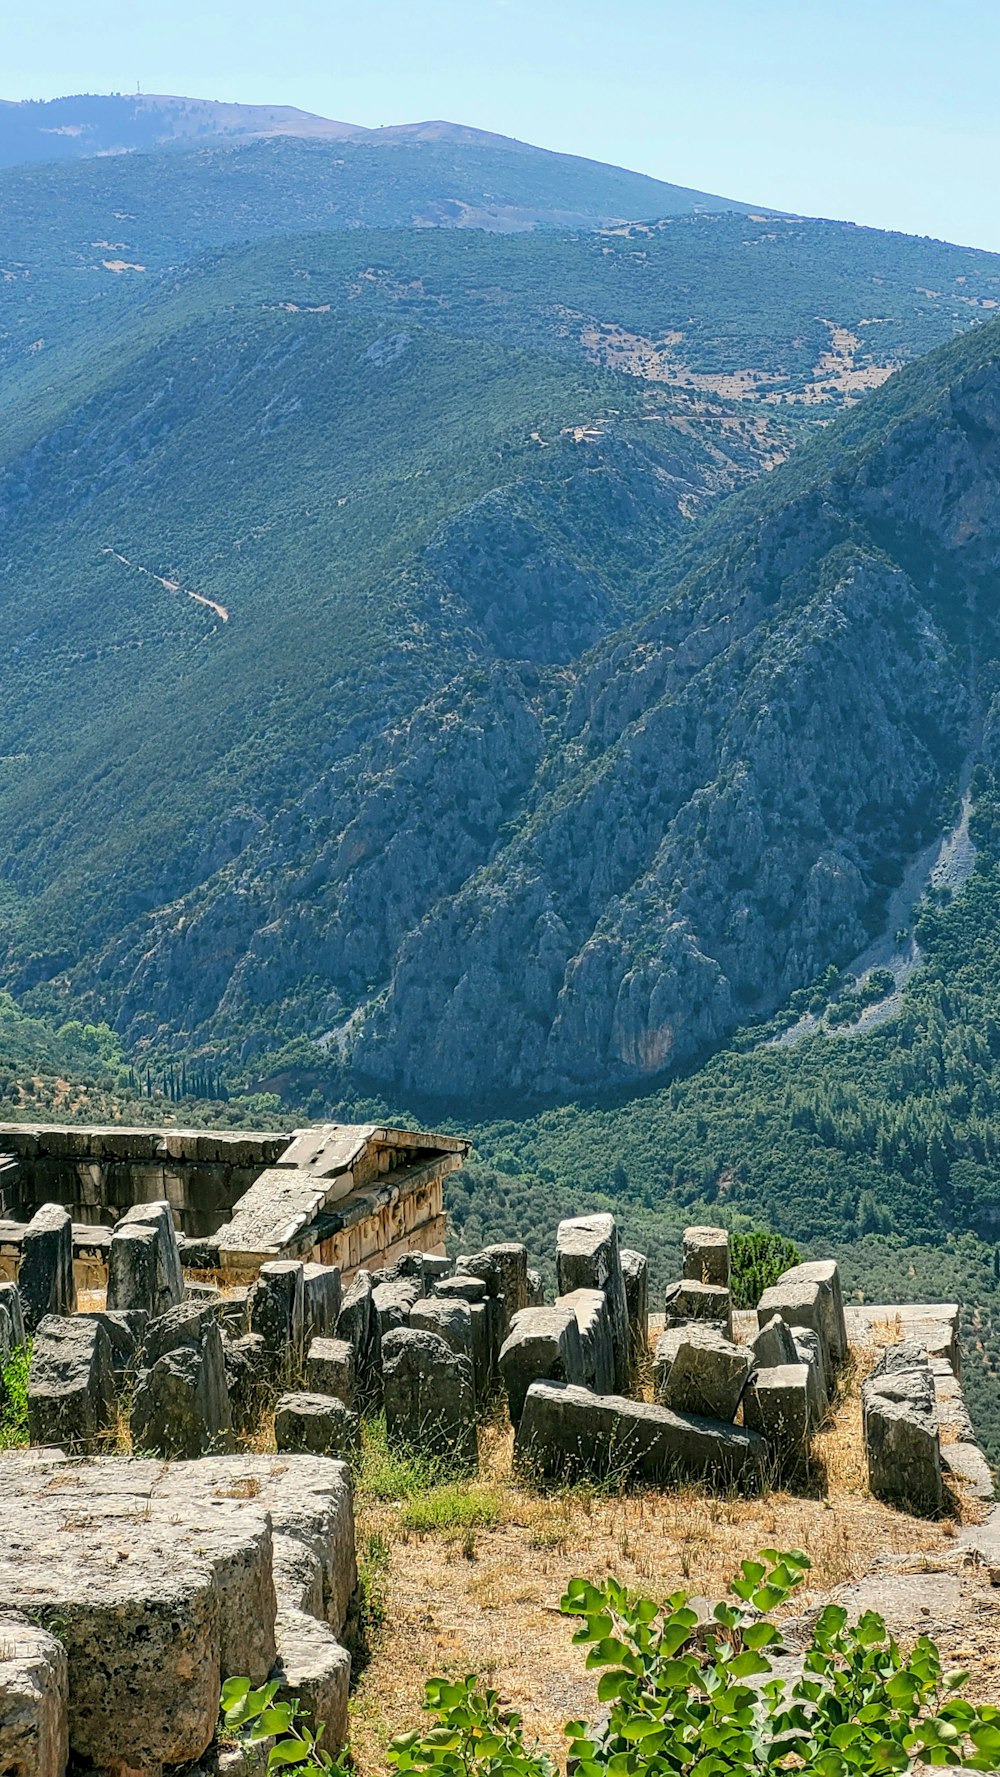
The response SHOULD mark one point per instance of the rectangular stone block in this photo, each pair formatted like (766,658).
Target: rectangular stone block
(330,1369)
(566,1430)
(706,1256)
(588,1257)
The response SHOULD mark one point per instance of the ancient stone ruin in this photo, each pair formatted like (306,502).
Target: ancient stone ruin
(142,1523)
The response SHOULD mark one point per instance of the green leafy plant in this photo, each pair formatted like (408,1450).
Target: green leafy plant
(757,1261)
(273,1731)
(472,1734)
(14,1398)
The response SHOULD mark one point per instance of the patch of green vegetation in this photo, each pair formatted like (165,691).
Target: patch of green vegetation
(757,1261)
(455,1506)
(392,1473)
(14,1398)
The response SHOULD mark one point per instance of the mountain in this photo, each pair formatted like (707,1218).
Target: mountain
(327,575)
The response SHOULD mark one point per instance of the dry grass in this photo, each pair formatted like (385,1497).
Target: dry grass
(487,1600)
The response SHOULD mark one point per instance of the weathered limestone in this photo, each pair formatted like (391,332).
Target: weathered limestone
(277,1313)
(543,1342)
(833,1331)
(901,1430)
(799,1304)
(321,1284)
(358,1323)
(451,1320)
(507,1262)
(776,1404)
(429,1395)
(315,1670)
(330,1369)
(180,1406)
(393,1301)
(635,1273)
(707,1376)
(45,1279)
(705,1256)
(134,1269)
(71,1384)
(34,1700)
(11,1311)
(316,1425)
(774,1344)
(169,1277)
(588,1257)
(536,1288)
(667,1346)
(698,1301)
(565,1430)
(246,1365)
(596,1342)
(126,1330)
(809,1351)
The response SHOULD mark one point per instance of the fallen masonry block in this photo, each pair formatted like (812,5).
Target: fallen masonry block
(774,1344)
(180,1404)
(393,1301)
(34,1700)
(316,1425)
(71,1383)
(588,1258)
(705,1256)
(321,1284)
(133,1270)
(45,1278)
(277,1313)
(635,1273)
(776,1404)
(594,1325)
(799,1304)
(902,1440)
(833,1331)
(698,1301)
(330,1369)
(429,1395)
(707,1376)
(169,1276)
(451,1320)
(543,1342)
(667,1346)
(315,1670)
(566,1430)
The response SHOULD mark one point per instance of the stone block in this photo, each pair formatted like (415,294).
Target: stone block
(536,1289)
(330,1369)
(596,1344)
(233,1313)
(667,1346)
(126,1330)
(34,1700)
(393,1301)
(809,1351)
(45,1279)
(833,1331)
(707,1376)
(687,1301)
(902,1440)
(322,1300)
(774,1344)
(776,1404)
(71,1384)
(507,1262)
(316,1425)
(277,1313)
(10,1306)
(134,1269)
(248,1384)
(543,1342)
(588,1257)
(314,1669)
(799,1304)
(169,1277)
(180,1405)
(429,1395)
(451,1320)
(635,1273)
(463,1287)
(705,1256)
(566,1430)
(358,1323)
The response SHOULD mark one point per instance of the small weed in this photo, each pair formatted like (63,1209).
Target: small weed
(14,1398)
(455,1506)
(387,1474)
(367,1612)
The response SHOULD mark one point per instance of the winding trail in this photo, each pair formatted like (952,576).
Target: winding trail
(168,585)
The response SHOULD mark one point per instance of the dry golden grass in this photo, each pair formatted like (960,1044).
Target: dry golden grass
(487,1600)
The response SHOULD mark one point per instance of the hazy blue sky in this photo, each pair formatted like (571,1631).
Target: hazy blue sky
(884,112)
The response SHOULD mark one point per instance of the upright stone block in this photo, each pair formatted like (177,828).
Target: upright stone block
(902,1438)
(594,1324)
(450,1320)
(330,1369)
(45,1279)
(776,1404)
(169,1276)
(833,1331)
(543,1342)
(10,1306)
(800,1303)
(322,1287)
(706,1256)
(71,1384)
(316,1425)
(507,1261)
(181,1406)
(686,1301)
(126,1330)
(809,1351)
(277,1313)
(393,1301)
(707,1376)
(134,1269)
(588,1257)
(429,1395)
(774,1344)
(635,1272)
(358,1323)
(246,1365)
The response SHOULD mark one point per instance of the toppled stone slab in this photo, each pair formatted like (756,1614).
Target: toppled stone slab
(901,1430)
(825,1274)
(774,1344)
(316,1425)
(34,1700)
(934,1325)
(543,1342)
(126,1330)
(800,1303)
(635,1274)
(667,1346)
(707,1375)
(705,1256)
(596,1343)
(565,1429)
(809,1351)
(330,1369)
(169,1571)
(588,1257)
(71,1384)
(45,1278)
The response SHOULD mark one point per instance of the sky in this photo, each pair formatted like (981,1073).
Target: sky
(883,113)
